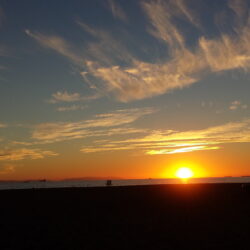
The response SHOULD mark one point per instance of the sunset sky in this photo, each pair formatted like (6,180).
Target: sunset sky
(124,88)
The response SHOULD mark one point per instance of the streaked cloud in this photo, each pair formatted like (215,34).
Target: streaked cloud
(110,67)
(106,51)
(87,133)
(117,11)
(146,79)
(179,150)
(71,108)
(170,142)
(65,97)
(182,9)
(60,131)
(24,153)
(240,8)
(161,15)
(56,43)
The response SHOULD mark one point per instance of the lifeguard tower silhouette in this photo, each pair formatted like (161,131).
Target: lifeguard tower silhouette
(108,183)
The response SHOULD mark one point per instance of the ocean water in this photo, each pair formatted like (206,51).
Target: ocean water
(101,183)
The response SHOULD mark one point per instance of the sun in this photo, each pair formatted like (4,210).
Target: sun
(184,173)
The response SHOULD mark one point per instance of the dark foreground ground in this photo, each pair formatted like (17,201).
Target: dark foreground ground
(204,216)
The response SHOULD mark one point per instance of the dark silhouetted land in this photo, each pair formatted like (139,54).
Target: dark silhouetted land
(198,216)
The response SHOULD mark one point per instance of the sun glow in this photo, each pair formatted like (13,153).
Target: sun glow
(184,173)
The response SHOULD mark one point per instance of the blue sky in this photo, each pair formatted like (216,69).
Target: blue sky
(94,79)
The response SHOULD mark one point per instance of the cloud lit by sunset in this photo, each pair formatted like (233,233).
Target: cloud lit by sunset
(127,94)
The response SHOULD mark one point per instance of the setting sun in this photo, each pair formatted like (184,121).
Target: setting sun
(184,173)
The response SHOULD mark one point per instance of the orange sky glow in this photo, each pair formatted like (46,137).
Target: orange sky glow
(146,88)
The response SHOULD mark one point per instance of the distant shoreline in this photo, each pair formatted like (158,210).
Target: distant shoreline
(45,184)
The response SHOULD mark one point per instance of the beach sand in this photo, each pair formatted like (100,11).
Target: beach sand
(189,216)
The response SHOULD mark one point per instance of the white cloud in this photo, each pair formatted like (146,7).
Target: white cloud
(56,43)
(170,142)
(70,108)
(181,67)
(183,9)
(65,97)
(240,8)
(117,11)
(179,150)
(53,132)
(24,153)
(64,135)
(160,14)
(107,50)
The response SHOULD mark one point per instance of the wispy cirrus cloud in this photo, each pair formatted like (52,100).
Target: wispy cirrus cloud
(107,50)
(82,133)
(171,142)
(185,11)
(179,150)
(240,8)
(117,11)
(70,108)
(105,124)
(161,14)
(65,96)
(56,43)
(116,70)
(24,153)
